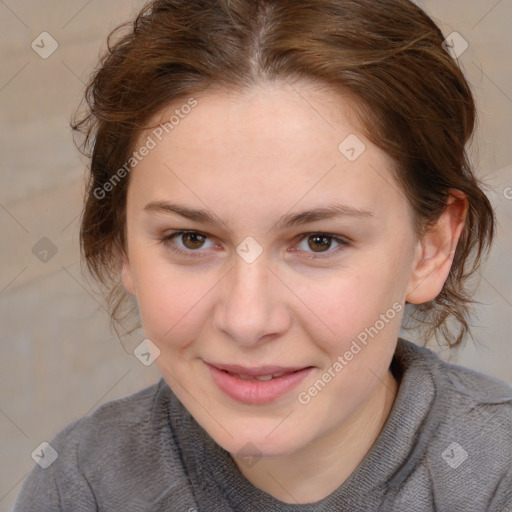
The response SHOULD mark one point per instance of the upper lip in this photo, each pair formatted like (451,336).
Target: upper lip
(256,371)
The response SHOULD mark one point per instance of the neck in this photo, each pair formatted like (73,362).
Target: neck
(319,468)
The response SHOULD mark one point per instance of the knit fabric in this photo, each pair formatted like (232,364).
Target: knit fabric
(446,446)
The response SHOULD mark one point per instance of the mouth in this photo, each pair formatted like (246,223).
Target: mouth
(257,371)
(259,385)
(261,377)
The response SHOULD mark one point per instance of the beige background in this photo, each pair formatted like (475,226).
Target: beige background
(58,357)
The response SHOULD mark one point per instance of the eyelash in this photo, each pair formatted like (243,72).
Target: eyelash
(197,254)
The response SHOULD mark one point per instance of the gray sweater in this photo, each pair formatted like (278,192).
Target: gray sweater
(446,446)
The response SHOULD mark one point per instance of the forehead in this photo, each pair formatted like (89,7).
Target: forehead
(284,142)
(276,114)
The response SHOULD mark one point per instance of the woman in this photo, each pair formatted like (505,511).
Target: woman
(272,182)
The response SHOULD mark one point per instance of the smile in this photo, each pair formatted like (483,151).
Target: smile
(258,385)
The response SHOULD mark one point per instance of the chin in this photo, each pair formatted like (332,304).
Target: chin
(255,443)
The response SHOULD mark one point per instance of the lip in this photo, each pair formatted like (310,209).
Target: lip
(252,391)
(257,370)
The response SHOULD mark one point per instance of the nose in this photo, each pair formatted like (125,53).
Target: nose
(252,307)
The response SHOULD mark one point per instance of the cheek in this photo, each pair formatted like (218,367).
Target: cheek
(170,300)
(365,303)
(357,294)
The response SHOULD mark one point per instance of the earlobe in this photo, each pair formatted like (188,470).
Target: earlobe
(126,276)
(435,251)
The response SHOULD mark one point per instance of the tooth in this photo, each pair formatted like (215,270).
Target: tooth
(264,377)
(259,377)
(244,377)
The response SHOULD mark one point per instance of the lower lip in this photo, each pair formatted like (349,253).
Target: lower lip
(254,391)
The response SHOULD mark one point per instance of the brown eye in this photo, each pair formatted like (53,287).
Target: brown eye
(187,243)
(319,243)
(193,240)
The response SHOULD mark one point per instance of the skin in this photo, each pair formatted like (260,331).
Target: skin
(250,158)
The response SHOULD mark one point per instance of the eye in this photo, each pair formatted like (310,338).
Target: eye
(320,243)
(190,242)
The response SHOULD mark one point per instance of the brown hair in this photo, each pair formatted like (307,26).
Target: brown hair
(413,102)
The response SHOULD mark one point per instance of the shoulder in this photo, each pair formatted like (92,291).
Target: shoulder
(475,395)
(456,381)
(463,399)
(108,422)
(111,456)
(478,409)
(480,406)
(477,433)
(469,431)
(134,409)
(110,429)
(468,398)
(129,434)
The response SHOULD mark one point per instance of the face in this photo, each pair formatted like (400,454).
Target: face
(258,283)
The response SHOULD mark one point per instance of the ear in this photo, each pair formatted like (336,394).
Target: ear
(435,251)
(126,275)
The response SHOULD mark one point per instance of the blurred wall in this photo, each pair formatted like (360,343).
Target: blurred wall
(58,357)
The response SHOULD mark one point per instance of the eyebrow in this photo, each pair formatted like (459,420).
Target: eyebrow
(287,220)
